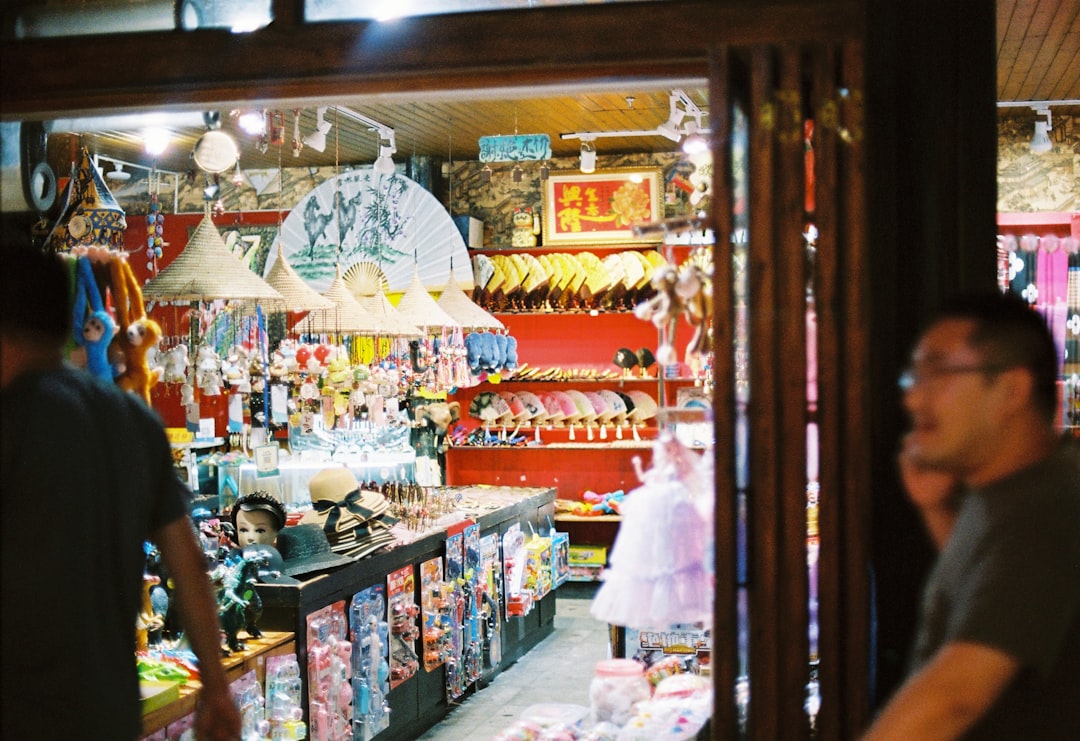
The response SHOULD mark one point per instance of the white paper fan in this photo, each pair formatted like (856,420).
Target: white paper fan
(386,219)
(365,279)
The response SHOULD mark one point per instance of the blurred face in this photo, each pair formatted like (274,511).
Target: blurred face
(949,396)
(256,526)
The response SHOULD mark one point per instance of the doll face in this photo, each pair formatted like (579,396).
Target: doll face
(255,527)
(93,329)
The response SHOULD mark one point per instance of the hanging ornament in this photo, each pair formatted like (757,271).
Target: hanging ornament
(155,230)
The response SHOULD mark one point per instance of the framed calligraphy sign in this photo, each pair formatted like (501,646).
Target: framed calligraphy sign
(601,207)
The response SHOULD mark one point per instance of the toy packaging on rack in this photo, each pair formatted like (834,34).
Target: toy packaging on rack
(403,611)
(472,660)
(284,693)
(519,600)
(489,599)
(329,670)
(560,558)
(248,695)
(456,591)
(371,668)
(538,570)
(435,604)
(676,649)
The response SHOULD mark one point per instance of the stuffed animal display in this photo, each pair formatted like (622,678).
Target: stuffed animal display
(93,327)
(488,352)
(137,332)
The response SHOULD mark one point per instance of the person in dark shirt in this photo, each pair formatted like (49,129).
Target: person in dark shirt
(997,649)
(87,477)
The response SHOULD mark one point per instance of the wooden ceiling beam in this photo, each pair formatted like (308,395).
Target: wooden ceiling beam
(297,62)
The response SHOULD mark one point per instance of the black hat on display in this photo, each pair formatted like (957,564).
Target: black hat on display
(306,550)
(271,564)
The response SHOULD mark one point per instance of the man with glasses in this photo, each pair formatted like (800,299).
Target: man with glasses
(997,651)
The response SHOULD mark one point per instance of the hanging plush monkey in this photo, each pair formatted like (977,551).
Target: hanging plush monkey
(138,333)
(93,327)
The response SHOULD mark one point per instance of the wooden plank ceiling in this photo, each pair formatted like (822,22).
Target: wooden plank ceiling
(1038,46)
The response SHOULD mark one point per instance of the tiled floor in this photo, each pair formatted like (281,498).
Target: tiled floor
(558,670)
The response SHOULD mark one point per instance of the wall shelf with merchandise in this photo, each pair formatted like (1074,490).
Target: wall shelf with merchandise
(593,346)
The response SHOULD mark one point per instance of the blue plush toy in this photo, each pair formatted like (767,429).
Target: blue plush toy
(500,352)
(93,330)
(474,348)
(510,356)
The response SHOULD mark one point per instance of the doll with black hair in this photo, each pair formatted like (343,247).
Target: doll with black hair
(257,518)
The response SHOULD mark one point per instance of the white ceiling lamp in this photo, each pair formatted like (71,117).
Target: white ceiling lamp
(317,138)
(118,174)
(1040,140)
(695,142)
(674,128)
(156,140)
(588,156)
(384,164)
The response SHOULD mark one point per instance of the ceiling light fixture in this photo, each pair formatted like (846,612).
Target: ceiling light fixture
(674,128)
(384,164)
(1040,140)
(317,138)
(118,173)
(588,156)
(694,143)
(155,141)
(252,122)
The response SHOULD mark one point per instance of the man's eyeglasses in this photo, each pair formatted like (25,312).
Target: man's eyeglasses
(912,377)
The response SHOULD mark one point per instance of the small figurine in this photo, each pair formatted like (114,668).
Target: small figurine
(239,604)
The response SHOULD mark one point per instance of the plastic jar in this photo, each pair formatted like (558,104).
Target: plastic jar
(616,685)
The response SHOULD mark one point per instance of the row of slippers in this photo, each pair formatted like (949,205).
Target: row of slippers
(569,407)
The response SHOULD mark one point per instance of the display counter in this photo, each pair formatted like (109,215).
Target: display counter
(420,701)
(252,658)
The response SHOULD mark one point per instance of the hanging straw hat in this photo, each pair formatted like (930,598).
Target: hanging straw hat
(296,294)
(396,324)
(347,316)
(206,271)
(419,308)
(455,302)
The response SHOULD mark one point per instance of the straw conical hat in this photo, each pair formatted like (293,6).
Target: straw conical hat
(419,308)
(379,305)
(347,316)
(207,271)
(455,302)
(297,295)
(91,215)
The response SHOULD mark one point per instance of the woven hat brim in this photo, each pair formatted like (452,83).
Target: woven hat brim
(206,271)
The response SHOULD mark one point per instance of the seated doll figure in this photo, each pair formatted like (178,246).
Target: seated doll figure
(257,518)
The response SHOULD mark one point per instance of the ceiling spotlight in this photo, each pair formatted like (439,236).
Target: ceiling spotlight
(588,156)
(317,138)
(1040,141)
(118,173)
(694,143)
(517,174)
(253,122)
(384,163)
(155,141)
